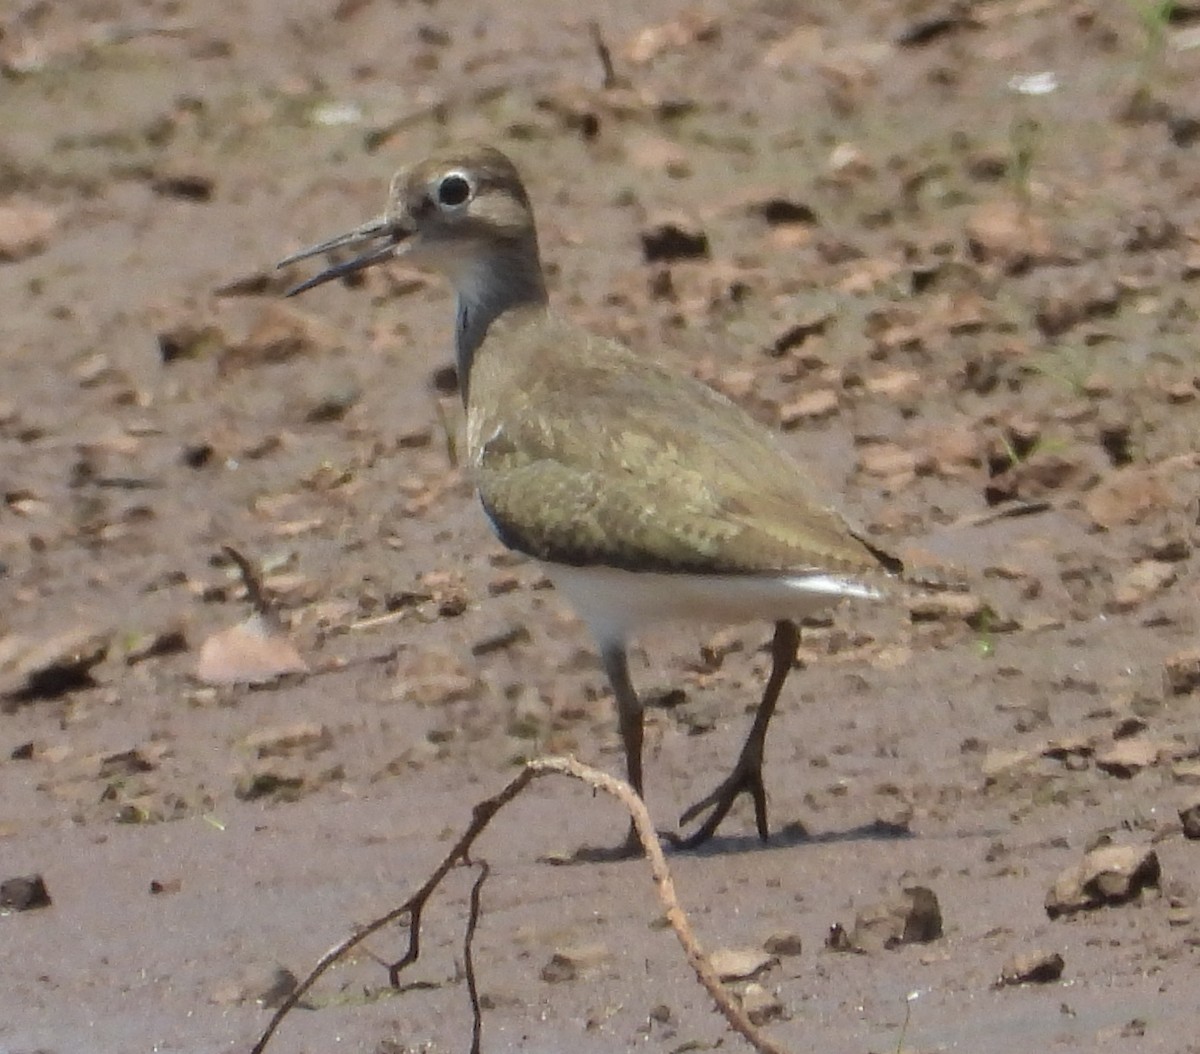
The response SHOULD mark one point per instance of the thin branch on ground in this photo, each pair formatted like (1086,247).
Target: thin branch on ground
(481,816)
(726,1002)
(468,961)
(255,590)
(604,55)
(1009,510)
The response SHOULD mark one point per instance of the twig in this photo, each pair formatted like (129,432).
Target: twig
(1007,511)
(469,963)
(604,55)
(726,1003)
(481,816)
(255,590)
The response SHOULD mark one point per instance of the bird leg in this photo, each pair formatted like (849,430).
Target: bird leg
(629,719)
(747,773)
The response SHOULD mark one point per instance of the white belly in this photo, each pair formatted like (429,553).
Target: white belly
(616,603)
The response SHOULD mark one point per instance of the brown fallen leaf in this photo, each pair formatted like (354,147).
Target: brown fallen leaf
(888,461)
(255,651)
(277,334)
(25,230)
(248,653)
(305,738)
(800,47)
(1003,233)
(1126,496)
(1127,757)
(690,27)
(1143,581)
(821,402)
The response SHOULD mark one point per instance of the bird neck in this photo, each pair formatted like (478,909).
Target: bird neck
(498,280)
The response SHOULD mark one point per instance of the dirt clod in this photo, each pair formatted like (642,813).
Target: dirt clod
(740,964)
(911,917)
(1033,967)
(1126,496)
(282,781)
(672,238)
(31,670)
(1005,234)
(823,402)
(1109,874)
(568,964)
(1181,672)
(1190,818)
(278,334)
(783,944)
(24,894)
(761,1005)
(266,986)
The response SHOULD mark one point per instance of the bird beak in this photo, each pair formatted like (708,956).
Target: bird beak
(382,229)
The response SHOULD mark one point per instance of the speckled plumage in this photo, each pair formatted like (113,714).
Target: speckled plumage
(585,452)
(646,494)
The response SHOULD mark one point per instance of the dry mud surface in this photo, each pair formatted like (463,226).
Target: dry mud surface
(952,250)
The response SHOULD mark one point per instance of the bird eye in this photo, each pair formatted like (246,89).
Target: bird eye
(453,190)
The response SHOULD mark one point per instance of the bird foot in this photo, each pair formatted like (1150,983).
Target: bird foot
(746,778)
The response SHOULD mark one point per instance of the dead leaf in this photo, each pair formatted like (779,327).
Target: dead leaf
(1004,233)
(24,230)
(800,47)
(889,461)
(277,334)
(820,403)
(1141,582)
(1127,757)
(248,653)
(306,738)
(1126,496)
(689,28)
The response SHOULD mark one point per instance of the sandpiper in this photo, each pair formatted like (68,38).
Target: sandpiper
(644,494)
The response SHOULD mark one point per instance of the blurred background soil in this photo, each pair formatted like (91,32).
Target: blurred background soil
(952,250)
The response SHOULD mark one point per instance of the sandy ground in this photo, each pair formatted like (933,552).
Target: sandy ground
(953,251)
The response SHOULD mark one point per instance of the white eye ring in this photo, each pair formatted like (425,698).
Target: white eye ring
(453,190)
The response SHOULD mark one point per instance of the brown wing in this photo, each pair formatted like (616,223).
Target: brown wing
(587,454)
